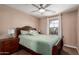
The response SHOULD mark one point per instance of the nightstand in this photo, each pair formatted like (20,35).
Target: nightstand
(8,45)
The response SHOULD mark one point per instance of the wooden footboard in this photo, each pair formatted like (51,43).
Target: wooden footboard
(56,50)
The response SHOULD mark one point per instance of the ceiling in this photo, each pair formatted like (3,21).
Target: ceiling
(58,8)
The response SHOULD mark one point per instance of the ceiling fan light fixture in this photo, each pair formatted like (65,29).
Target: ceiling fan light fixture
(41,10)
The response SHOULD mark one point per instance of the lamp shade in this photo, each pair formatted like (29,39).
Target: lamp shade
(11,32)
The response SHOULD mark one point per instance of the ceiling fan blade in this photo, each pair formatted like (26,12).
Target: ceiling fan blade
(41,5)
(35,10)
(50,10)
(35,6)
(47,5)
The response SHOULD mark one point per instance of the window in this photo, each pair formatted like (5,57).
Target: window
(53,26)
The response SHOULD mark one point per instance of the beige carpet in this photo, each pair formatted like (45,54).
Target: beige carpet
(71,51)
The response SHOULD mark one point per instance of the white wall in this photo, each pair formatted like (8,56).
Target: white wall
(78,31)
(43,25)
(69,23)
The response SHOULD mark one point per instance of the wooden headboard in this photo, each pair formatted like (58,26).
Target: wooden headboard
(26,28)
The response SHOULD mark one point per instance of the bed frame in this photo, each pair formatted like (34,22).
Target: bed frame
(56,50)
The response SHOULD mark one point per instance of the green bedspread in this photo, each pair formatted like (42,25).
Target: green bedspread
(39,43)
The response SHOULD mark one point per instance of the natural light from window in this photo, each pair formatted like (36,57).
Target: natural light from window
(54,23)
(53,26)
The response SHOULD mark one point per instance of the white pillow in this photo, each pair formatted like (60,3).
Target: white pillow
(24,32)
(33,32)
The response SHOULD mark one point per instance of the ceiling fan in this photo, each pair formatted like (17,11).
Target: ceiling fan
(42,8)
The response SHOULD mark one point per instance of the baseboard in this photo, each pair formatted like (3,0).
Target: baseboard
(70,46)
(78,50)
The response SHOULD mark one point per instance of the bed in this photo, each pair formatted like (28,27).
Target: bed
(39,43)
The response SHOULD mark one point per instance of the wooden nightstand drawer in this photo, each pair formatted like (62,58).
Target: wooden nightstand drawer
(7,50)
(1,49)
(6,42)
(9,45)
(6,46)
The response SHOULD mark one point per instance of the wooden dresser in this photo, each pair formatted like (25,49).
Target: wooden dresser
(8,45)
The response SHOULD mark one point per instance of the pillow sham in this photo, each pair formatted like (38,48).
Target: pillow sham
(33,32)
(24,32)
